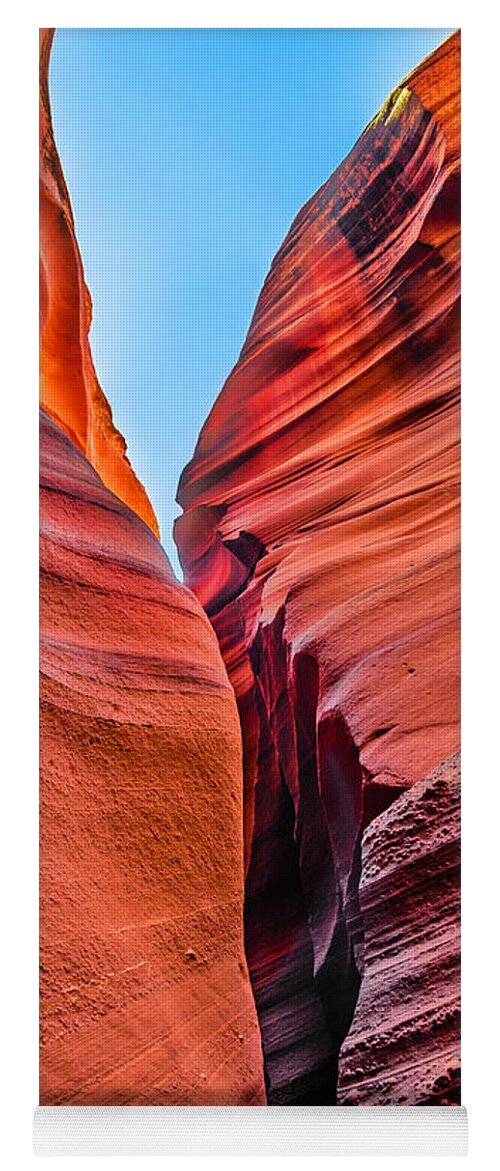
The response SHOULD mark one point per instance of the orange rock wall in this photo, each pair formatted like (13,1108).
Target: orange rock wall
(145,996)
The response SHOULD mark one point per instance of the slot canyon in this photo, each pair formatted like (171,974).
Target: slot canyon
(250,814)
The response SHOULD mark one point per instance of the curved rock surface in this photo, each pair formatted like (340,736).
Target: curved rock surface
(69,389)
(404,1044)
(145,993)
(320,531)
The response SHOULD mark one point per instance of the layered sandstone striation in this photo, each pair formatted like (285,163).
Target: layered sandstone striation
(145,994)
(320,531)
(404,1044)
(69,389)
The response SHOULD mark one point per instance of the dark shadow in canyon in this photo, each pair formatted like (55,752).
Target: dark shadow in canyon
(303,807)
(301,906)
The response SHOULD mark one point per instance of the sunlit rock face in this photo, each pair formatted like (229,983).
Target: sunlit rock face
(320,531)
(69,390)
(145,994)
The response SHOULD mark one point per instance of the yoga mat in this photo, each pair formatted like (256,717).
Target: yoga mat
(249,621)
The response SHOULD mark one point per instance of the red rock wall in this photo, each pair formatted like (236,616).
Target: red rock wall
(69,390)
(404,1044)
(320,531)
(145,994)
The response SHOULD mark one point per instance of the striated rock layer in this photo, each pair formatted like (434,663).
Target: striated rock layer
(320,531)
(69,389)
(145,993)
(404,1043)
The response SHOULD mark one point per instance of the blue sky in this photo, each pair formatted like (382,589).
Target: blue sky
(187,154)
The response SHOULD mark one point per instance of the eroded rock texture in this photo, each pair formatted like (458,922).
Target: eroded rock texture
(320,531)
(404,1043)
(69,389)
(145,994)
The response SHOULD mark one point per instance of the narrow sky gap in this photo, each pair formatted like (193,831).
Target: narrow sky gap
(187,153)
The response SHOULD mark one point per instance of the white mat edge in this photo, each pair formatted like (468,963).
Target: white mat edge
(249,1130)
